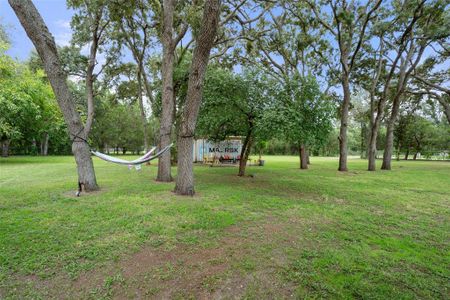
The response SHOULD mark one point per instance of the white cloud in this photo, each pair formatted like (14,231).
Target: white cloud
(65,24)
(63,38)
(63,34)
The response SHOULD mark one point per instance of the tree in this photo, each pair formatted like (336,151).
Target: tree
(417,134)
(17,108)
(204,41)
(169,43)
(183,56)
(303,115)
(348,24)
(291,49)
(427,25)
(118,123)
(91,24)
(48,128)
(45,45)
(240,113)
(135,28)
(28,113)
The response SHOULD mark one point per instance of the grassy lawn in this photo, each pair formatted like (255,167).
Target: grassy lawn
(283,233)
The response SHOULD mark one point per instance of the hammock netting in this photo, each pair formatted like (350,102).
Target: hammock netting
(141,160)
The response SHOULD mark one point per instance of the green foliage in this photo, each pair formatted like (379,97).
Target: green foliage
(303,114)
(27,105)
(74,63)
(234,105)
(118,126)
(416,134)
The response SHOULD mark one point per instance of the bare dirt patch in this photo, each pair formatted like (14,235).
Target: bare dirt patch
(245,261)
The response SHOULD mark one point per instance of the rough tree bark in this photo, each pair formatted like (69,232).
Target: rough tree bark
(303,157)
(200,58)
(343,151)
(245,151)
(389,144)
(44,43)
(166,120)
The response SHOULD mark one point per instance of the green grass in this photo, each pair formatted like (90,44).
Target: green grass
(283,233)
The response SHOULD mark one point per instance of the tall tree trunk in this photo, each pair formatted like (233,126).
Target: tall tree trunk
(200,58)
(381,105)
(415,155)
(166,120)
(245,151)
(374,122)
(86,174)
(372,147)
(307,156)
(44,144)
(142,108)
(402,80)
(407,154)
(344,124)
(389,144)
(44,43)
(90,77)
(303,157)
(5,148)
(244,158)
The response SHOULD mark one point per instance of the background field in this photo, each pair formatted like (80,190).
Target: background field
(283,233)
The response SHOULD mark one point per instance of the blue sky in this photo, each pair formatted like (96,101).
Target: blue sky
(56,15)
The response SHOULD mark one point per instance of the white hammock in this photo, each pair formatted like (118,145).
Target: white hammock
(141,160)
